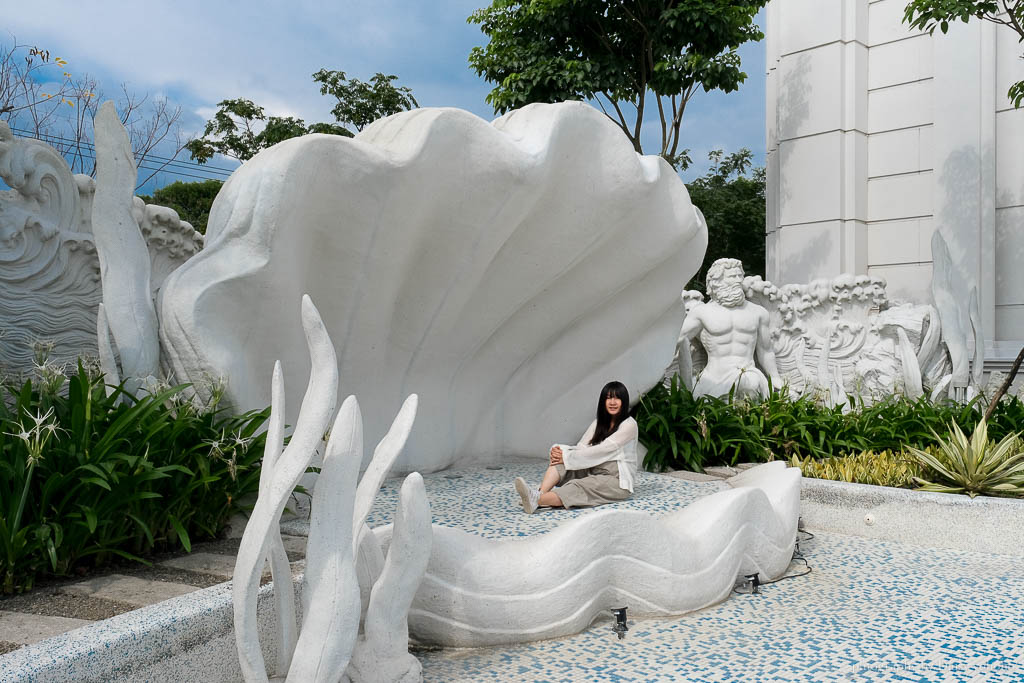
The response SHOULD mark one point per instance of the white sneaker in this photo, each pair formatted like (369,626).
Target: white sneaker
(531,498)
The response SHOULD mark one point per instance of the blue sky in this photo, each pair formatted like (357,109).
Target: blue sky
(197,53)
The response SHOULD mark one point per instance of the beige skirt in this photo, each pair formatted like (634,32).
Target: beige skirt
(592,486)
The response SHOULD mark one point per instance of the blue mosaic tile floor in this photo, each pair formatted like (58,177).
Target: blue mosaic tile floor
(483,501)
(869,611)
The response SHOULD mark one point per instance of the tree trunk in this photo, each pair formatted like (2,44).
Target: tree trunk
(1006,385)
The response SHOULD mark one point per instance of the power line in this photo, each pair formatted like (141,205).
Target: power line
(144,167)
(170,161)
(92,146)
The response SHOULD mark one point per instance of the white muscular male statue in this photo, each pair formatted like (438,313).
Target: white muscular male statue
(732,330)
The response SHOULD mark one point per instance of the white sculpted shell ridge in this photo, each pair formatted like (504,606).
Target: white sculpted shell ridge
(503,271)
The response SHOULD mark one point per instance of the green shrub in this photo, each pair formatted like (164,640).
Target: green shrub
(884,468)
(681,432)
(86,477)
(975,466)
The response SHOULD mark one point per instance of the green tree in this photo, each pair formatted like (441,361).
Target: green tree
(192,201)
(240,128)
(734,207)
(927,15)
(618,53)
(360,104)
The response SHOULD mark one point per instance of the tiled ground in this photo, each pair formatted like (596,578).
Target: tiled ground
(482,501)
(869,611)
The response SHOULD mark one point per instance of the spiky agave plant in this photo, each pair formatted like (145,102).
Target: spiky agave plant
(974,465)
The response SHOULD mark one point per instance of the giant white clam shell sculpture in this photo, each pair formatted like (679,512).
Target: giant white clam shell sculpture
(502,271)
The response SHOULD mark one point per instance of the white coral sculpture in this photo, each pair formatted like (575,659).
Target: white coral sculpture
(355,599)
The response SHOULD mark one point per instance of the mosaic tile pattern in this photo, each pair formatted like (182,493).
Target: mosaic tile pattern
(870,611)
(483,502)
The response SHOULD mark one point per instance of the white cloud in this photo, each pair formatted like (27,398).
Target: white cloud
(200,52)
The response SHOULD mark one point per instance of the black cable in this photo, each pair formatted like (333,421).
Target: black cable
(89,147)
(161,169)
(797,557)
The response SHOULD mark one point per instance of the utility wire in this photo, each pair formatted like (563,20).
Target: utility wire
(171,161)
(90,145)
(144,167)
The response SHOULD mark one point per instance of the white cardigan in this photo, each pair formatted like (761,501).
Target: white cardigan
(619,446)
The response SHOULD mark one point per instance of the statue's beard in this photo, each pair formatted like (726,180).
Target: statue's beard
(729,296)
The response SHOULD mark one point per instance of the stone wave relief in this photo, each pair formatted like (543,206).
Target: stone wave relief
(49,267)
(366,591)
(502,271)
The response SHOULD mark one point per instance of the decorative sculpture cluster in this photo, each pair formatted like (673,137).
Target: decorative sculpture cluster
(49,266)
(355,596)
(366,590)
(471,304)
(834,338)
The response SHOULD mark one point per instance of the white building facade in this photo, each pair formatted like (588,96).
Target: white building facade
(878,136)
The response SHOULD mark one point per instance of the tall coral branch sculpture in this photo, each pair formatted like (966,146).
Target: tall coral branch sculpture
(125,266)
(354,612)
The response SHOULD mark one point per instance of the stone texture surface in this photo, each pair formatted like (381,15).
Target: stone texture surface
(129,589)
(16,627)
(934,520)
(693,476)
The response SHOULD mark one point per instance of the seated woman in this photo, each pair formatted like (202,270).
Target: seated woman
(599,469)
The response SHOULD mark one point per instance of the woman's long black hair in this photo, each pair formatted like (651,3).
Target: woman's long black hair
(606,422)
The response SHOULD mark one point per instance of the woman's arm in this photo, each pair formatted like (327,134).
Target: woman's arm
(588,435)
(582,457)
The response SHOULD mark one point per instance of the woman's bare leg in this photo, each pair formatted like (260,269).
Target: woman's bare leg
(547,498)
(550,500)
(550,480)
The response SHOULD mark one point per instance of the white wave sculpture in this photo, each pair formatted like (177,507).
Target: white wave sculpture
(50,287)
(502,271)
(355,597)
(482,592)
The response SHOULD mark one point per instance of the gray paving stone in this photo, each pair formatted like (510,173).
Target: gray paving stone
(722,472)
(129,589)
(692,476)
(215,564)
(16,627)
(294,545)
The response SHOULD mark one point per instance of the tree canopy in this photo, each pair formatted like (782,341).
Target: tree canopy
(618,53)
(360,104)
(192,201)
(240,128)
(927,15)
(733,204)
